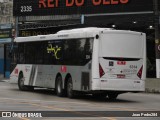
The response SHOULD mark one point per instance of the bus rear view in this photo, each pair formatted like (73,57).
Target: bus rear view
(121,63)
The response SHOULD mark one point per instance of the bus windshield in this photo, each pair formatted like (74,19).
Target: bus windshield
(120,45)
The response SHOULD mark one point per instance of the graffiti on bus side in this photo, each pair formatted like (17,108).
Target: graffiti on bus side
(54,50)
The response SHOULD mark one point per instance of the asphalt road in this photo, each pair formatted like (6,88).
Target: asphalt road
(11,99)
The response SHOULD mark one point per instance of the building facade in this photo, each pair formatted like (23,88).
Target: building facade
(6,25)
(46,17)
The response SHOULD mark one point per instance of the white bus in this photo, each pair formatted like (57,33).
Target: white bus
(98,61)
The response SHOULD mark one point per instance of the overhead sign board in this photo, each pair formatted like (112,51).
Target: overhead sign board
(68,7)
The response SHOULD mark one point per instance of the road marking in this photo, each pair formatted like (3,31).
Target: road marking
(62,109)
(91,105)
(45,101)
(111,118)
(74,118)
(63,103)
(23,118)
(25,101)
(51,107)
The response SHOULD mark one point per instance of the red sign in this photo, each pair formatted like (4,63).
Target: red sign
(78,3)
(121,63)
(74,7)
(120,76)
(16,71)
(63,69)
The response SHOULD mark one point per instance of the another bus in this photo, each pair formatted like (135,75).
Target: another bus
(98,61)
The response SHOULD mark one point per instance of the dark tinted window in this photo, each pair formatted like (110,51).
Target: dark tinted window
(56,52)
(77,52)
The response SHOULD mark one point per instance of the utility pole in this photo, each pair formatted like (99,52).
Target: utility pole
(82,19)
(157,37)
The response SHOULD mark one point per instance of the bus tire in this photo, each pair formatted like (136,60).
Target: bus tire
(21,85)
(59,86)
(112,96)
(70,92)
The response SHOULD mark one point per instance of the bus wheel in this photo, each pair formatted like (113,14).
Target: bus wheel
(21,85)
(112,96)
(70,92)
(59,88)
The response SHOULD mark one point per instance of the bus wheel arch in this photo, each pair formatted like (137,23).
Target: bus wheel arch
(59,85)
(66,80)
(69,86)
(21,85)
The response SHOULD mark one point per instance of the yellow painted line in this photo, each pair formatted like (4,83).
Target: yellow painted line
(23,118)
(89,104)
(44,101)
(111,118)
(51,107)
(124,109)
(62,109)
(48,107)
(24,101)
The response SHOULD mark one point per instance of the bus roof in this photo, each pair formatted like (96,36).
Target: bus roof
(79,30)
(64,34)
(89,32)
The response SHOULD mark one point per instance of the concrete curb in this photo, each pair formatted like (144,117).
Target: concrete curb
(5,81)
(152,85)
